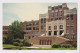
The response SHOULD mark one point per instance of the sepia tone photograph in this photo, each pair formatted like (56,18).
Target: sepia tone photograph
(39,26)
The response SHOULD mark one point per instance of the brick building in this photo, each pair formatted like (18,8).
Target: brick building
(71,24)
(35,28)
(60,17)
(62,12)
(58,25)
(5,30)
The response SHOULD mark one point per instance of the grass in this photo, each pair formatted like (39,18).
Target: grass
(8,45)
(43,49)
(72,48)
(23,48)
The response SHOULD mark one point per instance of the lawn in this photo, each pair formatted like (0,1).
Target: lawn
(23,48)
(72,48)
(8,45)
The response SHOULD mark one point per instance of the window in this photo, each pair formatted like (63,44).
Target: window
(72,24)
(67,24)
(41,27)
(67,36)
(35,32)
(35,28)
(52,8)
(55,32)
(60,33)
(55,27)
(73,37)
(27,32)
(41,20)
(32,36)
(60,7)
(49,28)
(71,17)
(44,20)
(60,13)
(56,13)
(67,31)
(72,31)
(29,28)
(26,28)
(53,14)
(29,37)
(36,23)
(51,19)
(24,32)
(67,17)
(44,26)
(29,24)
(49,33)
(56,18)
(59,18)
(61,26)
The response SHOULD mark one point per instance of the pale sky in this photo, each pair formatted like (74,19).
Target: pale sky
(27,11)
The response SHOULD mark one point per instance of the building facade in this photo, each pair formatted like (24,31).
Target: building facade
(35,28)
(59,21)
(71,24)
(56,28)
(62,12)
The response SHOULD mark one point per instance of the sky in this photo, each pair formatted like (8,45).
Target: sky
(27,11)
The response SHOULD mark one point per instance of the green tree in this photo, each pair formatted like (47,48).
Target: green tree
(4,39)
(7,39)
(26,42)
(15,30)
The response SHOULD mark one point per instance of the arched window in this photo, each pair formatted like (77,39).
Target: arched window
(49,28)
(61,26)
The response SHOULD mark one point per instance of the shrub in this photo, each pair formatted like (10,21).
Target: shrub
(74,44)
(16,43)
(55,45)
(66,45)
(26,43)
(20,44)
(4,39)
(17,40)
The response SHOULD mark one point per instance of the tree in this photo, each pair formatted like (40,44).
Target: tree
(4,39)
(7,39)
(15,30)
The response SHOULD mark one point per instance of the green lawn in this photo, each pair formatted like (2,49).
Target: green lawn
(72,48)
(43,49)
(8,45)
